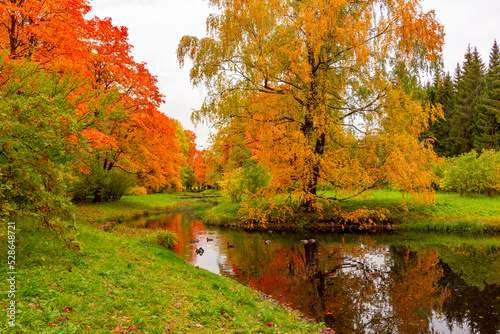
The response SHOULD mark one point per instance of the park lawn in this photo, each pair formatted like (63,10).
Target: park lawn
(449,212)
(105,282)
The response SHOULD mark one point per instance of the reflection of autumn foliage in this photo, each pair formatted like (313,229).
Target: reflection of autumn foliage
(340,286)
(357,287)
(415,292)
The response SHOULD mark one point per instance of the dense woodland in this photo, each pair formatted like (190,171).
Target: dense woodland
(302,95)
(471,103)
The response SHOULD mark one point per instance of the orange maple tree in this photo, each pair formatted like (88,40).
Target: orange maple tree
(119,116)
(145,142)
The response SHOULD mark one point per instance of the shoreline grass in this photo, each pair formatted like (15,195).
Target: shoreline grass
(114,282)
(450,212)
(130,207)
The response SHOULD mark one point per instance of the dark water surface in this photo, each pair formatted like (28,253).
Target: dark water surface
(400,283)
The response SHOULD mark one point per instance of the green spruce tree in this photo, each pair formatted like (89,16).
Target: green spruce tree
(488,121)
(469,86)
(442,92)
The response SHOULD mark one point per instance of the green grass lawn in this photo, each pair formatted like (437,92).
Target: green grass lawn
(447,205)
(107,282)
(449,212)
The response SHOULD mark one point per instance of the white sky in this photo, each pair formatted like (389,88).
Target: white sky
(156,26)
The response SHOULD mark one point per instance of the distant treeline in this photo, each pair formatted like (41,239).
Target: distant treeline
(471,105)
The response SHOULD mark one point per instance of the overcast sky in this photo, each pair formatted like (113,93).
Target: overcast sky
(156,26)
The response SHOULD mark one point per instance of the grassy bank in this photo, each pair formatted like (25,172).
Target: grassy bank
(449,213)
(111,283)
(131,206)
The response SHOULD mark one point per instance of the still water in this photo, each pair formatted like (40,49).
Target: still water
(400,283)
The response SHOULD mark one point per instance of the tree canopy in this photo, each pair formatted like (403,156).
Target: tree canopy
(80,117)
(313,89)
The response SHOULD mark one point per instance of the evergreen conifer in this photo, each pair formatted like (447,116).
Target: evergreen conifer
(488,118)
(469,85)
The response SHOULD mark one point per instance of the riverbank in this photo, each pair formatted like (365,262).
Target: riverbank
(76,278)
(450,212)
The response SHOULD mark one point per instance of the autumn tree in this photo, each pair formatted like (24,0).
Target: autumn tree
(145,143)
(126,136)
(51,33)
(315,85)
(200,169)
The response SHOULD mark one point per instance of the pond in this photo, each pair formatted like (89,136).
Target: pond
(390,283)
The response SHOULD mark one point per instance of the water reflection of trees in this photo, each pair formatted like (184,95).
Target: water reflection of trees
(415,292)
(353,289)
(361,287)
(472,275)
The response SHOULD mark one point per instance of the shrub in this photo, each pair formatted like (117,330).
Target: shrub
(471,173)
(232,185)
(248,179)
(102,185)
(167,239)
(137,191)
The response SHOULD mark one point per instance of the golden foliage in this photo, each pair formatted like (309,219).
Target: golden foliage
(315,90)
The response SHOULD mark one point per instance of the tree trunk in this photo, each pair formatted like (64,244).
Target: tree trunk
(97,196)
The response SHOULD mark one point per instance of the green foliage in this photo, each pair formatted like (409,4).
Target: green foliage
(488,122)
(103,185)
(471,106)
(167,239)
(188,177)
(442,92)
(470,84)
(248,179)
(36,121)
(471,173)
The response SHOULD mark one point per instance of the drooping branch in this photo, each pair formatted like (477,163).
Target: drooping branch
(336,199)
